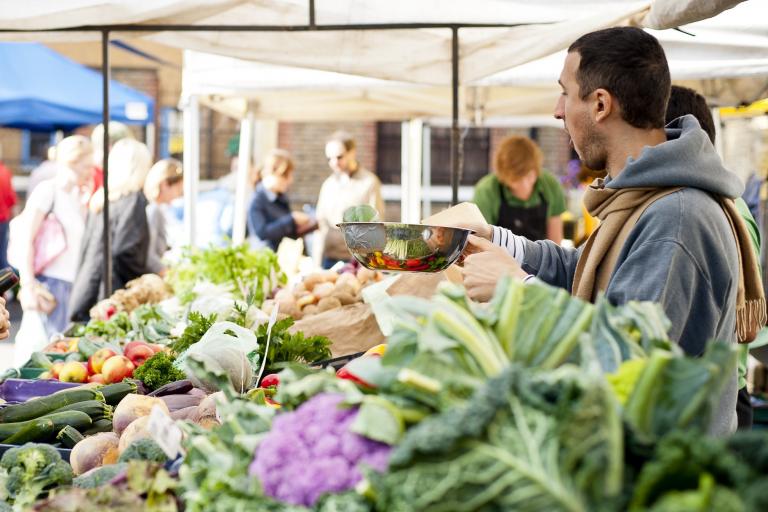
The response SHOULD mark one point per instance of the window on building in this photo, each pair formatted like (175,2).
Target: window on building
(476,149)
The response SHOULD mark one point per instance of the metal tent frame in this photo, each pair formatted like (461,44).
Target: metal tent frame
(311,25)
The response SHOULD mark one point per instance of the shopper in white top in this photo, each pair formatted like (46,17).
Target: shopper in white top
(64,196)
(349,185)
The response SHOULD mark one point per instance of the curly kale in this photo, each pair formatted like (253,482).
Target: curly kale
(158,371)
(198,325)
(144,449)
(285,346)
(31,470)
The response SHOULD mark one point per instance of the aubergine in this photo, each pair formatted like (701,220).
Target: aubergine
(179,387)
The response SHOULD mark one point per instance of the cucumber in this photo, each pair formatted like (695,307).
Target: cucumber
(40,360)
(69,436)
(41,406)
(35,429)
(75,419)
(113,393)
(102,425)
(93,408)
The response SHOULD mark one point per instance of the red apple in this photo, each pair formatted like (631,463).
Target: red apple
(139,353)
(96,361)
(131,345)
(117,368)
(73,371)
(97,378)
(56,369)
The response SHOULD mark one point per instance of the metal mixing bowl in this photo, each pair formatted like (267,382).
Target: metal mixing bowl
(404,247)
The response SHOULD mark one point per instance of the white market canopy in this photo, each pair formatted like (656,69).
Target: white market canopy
(417,55)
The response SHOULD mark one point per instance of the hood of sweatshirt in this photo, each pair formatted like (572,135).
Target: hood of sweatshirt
(687,159)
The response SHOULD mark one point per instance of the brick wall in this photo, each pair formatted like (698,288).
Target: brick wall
(553,143)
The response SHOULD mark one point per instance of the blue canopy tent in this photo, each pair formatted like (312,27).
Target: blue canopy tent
(41,90)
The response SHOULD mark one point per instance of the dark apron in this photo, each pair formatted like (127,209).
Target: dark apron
(528,222)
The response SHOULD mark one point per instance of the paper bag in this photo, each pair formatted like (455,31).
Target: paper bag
(464,212)
(351,328)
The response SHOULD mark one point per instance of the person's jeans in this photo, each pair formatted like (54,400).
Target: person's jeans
(3,244)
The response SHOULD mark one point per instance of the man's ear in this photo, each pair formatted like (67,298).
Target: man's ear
(603,105)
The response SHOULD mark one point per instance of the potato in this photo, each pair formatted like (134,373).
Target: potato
(345,298)
(309,310)
(313,280)
(306,300)
(94,451)
(323,290)
(348,279)
(133,432)
(342,287)
(365,275)
(134,406)
(300,289)
(284,294)
(329,276)
(328,303)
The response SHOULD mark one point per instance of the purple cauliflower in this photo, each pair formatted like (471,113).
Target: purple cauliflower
(311,451)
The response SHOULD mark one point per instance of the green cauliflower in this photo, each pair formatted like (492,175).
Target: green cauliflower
(31,470)
(144,449)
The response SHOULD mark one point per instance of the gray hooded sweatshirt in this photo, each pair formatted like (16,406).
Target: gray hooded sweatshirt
(681,253)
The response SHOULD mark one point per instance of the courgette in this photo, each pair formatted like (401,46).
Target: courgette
(93,408)
(37,407)
(103,425)
(69,436)
(75,419)
(113,393)
(33,430)
(40,360)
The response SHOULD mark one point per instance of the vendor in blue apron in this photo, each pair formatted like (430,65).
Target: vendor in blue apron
(519,195)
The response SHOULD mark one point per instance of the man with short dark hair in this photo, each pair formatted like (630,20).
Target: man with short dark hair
(668,232)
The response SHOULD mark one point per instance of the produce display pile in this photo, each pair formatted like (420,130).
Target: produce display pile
(533,401)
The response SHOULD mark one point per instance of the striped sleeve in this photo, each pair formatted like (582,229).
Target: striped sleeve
(514,244)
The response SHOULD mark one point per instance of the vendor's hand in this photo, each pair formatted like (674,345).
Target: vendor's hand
(481,229)
(485,265)
(5,321)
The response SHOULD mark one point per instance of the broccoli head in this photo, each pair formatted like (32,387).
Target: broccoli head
(32,469)
(157,371)
(98,476)
(144,449)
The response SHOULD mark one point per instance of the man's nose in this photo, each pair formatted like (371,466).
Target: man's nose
(559,109)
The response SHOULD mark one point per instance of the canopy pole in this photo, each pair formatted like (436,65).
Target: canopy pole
(455,116)
(105,77)
(244,159)
(191,166)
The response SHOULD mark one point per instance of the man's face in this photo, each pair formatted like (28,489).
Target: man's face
(339,158)
(576,115)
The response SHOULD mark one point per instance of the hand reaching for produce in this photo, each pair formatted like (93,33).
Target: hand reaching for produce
(485,265)
(5,320)
(301,219)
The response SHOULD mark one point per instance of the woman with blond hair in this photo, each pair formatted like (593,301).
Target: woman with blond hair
(164,184)
(270,218)
(48,240)
(519,195)
(129,163)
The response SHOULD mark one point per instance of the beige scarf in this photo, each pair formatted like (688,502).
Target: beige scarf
(619,210)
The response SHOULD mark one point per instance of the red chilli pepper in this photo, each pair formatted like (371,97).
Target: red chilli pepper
(345,374)
(270,380)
